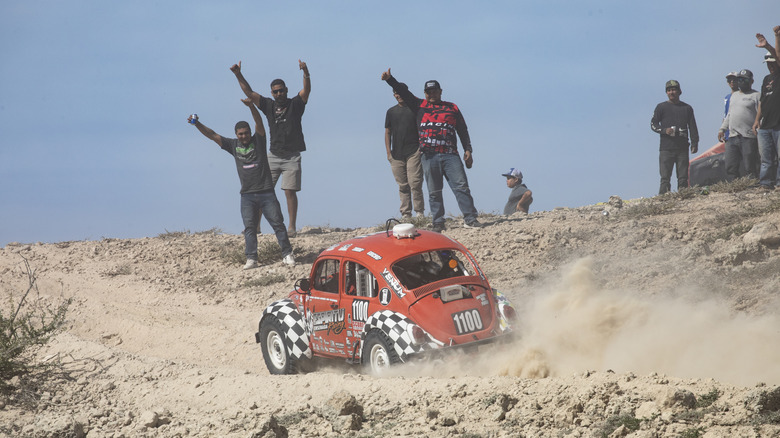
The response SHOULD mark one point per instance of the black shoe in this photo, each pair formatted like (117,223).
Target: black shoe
(473,224)
(438,228)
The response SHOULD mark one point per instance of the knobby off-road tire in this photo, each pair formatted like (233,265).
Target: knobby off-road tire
(274,343)
(378,353)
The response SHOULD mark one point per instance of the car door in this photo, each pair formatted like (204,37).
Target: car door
(326,316)
(361,290)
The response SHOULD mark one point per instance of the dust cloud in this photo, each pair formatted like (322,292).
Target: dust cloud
(575,327)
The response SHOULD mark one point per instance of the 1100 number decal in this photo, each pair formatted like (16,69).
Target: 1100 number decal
(467,321)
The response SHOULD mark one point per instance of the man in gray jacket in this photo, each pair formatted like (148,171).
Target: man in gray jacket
(742,145)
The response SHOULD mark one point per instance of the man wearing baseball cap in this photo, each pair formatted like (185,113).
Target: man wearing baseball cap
(675,122)
(520,198)
(439,125)
(741,154)
(767,123)
(731,80)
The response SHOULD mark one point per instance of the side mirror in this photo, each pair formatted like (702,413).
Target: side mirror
(304,285)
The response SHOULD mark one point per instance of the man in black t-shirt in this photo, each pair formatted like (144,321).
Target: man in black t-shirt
(284,123)
(674,121)
(403,153)
(767,124)
(257,190)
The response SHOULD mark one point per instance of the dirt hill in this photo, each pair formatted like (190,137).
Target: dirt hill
(650,318)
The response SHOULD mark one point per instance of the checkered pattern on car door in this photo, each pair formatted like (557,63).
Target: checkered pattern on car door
(292,321)
(394,326)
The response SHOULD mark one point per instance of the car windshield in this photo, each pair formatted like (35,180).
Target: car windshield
(424,268)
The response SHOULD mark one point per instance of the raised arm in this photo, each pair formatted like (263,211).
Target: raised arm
(764,44)
(777,43)
(254,96)
(412,101)
(304,93)
(259,127)
(205,130)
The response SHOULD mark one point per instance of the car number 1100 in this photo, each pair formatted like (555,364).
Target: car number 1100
(467,321)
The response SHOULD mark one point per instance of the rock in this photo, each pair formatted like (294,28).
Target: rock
(149,419)
(448,420)
(647,410)
(679,397)
(343,403)
(763,233)
(270,428)
(764,401)
(344,412)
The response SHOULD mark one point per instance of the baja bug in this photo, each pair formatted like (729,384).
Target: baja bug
(383,299)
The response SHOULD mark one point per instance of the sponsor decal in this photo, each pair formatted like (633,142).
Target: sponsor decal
(358,327)
(345,247)
(330,320)
(394,283)
(483,298)
(384,296)
(374,255)
(358,249)
(332,247)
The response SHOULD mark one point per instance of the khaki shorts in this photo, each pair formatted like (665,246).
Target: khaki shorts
(288,168)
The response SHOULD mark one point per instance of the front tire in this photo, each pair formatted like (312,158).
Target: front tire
(274,343)
(378,353)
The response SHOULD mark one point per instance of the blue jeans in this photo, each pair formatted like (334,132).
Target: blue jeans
(251,206)
(769,148)
(438,166)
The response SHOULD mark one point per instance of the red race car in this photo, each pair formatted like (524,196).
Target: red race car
(385,298)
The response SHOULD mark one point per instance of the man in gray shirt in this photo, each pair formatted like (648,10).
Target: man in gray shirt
(741,154)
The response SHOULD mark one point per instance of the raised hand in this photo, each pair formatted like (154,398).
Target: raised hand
(386,75)
(761,41)
(236,68)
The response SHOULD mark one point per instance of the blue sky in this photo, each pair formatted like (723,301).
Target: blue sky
(94,97)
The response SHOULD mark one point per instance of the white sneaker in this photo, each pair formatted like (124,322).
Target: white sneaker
(250,264)
(289,260)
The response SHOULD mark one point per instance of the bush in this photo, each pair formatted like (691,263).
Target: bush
(26,324)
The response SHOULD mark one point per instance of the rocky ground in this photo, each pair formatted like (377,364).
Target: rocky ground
(649,318)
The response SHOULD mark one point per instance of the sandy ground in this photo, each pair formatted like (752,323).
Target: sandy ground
(649,318)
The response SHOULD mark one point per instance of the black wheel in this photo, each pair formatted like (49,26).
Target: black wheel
(378,352)
(274,344)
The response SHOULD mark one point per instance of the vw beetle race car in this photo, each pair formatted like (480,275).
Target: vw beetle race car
(385,298)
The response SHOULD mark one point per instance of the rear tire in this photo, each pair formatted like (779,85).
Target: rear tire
(274,343)
(378,353)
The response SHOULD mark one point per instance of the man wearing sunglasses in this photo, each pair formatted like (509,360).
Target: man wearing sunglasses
(767,121)
(284,123)
(741,154)
(438,123)
(675,122)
